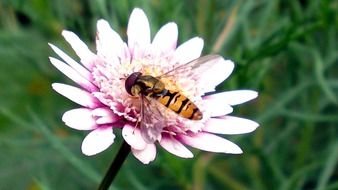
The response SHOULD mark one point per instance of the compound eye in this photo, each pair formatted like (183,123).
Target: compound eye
(130,81)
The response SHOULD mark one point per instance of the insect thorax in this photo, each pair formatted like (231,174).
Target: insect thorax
(150,86)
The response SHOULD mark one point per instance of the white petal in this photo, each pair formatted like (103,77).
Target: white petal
(105,115)
(97,141)
(107,119)
(71,62)
(233,97)
(189,50)
(146,155)
(166,38)
(175,147)
(76,95)
(210,142)
(109,43)
(138,32)
(103,111)
(80,119)
(72,74)
(133,137)
(80,48)
(217,73)
(230,125)
(216,108)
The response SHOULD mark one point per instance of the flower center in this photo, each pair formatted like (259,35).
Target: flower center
(111,81)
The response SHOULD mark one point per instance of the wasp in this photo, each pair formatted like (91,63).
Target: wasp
(152,90)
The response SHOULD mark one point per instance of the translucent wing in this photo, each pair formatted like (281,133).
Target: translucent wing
(194,67)
(152,121)
(207,72)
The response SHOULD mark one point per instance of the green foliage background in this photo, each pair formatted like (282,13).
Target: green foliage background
(285,49)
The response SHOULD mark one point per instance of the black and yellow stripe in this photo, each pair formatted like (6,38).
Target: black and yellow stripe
(152,87)
(180,104)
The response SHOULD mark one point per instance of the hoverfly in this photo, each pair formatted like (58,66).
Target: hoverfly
(152,91)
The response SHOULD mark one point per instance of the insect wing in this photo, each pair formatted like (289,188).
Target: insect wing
(207,72)
(194,67)
(152,121)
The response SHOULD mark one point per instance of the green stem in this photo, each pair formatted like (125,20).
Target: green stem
(115,166)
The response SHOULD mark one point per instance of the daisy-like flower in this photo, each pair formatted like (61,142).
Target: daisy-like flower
(106,106)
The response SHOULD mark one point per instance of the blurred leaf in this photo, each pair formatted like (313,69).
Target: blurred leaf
(76,162)
(330,167)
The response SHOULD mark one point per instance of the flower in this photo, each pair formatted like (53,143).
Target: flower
(105,105)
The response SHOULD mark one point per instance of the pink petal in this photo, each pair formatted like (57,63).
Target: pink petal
(216,108)
(233,97)
(166,38)
(138,32)
(133,137)
(71,62)
(210,142)
(109,44)
(97,141)
(217,73)
(76,95)
(146,155)
(230,125)
(72,74)
(189,50)
(80,48)
(175,147)
(80,119)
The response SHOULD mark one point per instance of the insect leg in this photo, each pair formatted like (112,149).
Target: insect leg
(139,119)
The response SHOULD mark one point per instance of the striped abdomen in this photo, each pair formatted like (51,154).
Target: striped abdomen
(180,104)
